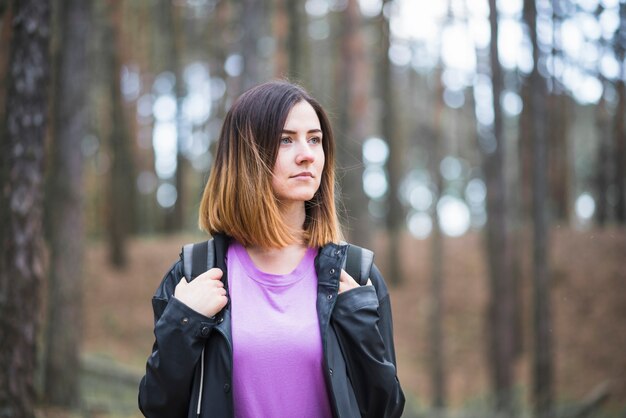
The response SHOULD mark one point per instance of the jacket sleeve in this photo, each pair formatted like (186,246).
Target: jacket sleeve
(180,334)
(363,323)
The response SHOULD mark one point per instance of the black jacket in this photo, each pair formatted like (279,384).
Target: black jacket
(189,374)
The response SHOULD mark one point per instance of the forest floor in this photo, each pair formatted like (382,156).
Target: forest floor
(588,303)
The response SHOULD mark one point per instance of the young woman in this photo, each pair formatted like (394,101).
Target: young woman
(278,328)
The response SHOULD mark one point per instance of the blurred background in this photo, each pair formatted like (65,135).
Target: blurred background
(482,156)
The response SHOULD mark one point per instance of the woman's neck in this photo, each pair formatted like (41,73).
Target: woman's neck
(277,260)
(293,214)
(283,260)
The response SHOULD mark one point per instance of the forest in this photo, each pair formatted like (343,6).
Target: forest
(481,150)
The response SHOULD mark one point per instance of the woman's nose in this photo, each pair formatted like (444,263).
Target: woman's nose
(305,154)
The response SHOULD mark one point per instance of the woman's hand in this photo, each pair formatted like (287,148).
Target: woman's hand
(205,294)
(346,282)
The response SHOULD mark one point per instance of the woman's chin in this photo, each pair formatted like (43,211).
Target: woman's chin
(296,198)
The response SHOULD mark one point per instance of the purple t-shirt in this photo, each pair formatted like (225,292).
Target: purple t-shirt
(277,347)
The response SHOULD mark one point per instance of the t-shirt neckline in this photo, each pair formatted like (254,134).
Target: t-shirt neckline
(304,268)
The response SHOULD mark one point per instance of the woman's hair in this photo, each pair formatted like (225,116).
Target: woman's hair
(238,198)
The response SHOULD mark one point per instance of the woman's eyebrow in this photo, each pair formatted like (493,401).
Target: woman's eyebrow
(310,131)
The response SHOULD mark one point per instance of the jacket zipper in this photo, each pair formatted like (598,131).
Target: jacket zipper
(201,381)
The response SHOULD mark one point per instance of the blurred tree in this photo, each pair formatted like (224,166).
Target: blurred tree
(501,351)
(619,136)
(252,18)
(524,152)
(280,29)
(289,27)
(169,57)
(295,44)
(6,17)
(435,315)
(388,118)
(352,90)
(21,193)
(218,43)
(558,105)
(542,358)
(603,162)
(120,191)
(64,217)
(557,108)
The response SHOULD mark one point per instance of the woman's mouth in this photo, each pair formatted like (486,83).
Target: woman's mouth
(304,174)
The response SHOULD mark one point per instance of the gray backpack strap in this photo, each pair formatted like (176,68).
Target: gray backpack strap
(198,258)
(359,263)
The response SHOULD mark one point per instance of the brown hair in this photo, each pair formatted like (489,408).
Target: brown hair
(238,199)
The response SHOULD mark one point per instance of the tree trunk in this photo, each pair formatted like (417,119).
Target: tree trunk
(501,309)
(619,141)
(182,165)
(64,207)
(295,46)
(435,321)
(121,187)
(6,17)
(525,156)
(169,58)
(352,88)
(558,155)
(251,22)
(542,359)
(21,194)
(602,165)
(280,28)
(219,48)
(395,218)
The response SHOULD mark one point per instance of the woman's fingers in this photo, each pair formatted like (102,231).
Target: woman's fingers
(346,282)
(205,294)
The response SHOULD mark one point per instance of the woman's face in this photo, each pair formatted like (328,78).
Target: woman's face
(300,162)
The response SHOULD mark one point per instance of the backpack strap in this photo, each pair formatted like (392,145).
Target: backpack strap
(359,263)
(198,258)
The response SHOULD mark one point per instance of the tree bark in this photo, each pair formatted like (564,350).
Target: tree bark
(558,154)
(619,140)
(64,207)
(602,163)
(524,150)
(501,309)
(169,58)
(121,186)
(21,194)
(395,214)
(542,322)
(619,135)
(352,88)
(435,321)
(6,17)
(295,46)
(280,28)
(251,18)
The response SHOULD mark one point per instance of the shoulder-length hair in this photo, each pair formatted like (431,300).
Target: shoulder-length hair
(238,198)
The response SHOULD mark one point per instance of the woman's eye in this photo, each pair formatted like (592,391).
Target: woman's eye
(315,140)
(285,140)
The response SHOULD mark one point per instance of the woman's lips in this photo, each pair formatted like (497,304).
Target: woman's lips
(305,174)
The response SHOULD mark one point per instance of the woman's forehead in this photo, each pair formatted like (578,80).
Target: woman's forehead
(302,116)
